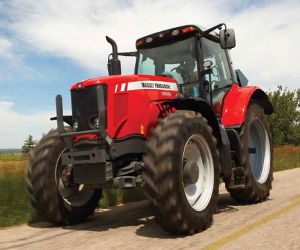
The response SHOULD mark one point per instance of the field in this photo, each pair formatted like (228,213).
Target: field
(15,207)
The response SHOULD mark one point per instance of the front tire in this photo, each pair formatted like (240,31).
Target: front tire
(257,157)
(55,200)
(182,172)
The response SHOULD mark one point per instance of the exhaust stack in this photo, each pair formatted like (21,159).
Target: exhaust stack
(113,64)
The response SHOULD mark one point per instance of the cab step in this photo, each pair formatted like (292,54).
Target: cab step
(237,180)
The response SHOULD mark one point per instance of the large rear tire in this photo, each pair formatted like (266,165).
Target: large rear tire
(182,172)
(257,157)
(55,200)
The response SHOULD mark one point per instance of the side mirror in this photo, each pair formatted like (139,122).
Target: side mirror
(241,78)
(227,39)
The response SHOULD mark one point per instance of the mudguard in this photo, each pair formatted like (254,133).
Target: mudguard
(236,102)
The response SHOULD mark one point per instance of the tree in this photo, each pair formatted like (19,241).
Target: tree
(285,121)
(29,144)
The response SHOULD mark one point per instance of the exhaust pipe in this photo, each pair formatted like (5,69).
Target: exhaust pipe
(113,64)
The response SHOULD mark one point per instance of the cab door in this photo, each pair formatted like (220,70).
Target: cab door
(221,73)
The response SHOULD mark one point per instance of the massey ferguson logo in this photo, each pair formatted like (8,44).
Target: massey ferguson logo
(151,85)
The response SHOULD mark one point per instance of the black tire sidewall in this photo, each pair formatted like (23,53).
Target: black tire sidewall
(198,216)
(164,173)
(255,111)
(45,194)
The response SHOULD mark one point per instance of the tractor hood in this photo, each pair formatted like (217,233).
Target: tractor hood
(134,82)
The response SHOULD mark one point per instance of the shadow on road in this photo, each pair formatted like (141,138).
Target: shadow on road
(136,214)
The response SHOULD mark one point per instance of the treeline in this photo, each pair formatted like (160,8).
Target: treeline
(285,121)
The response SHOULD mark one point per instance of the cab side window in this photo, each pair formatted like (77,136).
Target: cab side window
(213,52)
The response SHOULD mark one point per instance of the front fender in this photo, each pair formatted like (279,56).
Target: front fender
(198,105)
(236,103)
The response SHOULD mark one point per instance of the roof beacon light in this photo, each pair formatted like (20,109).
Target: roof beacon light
(149,39)
(80,85)
(140,42)
(175,32)
(188,29)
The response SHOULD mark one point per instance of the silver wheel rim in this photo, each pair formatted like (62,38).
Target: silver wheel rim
(199,194)
(77,195)
(259,151)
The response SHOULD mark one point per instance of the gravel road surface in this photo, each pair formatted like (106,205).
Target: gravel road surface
(274,224)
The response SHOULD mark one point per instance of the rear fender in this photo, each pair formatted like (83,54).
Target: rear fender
(236,103)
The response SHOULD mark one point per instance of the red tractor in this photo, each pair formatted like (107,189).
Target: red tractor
(182,121)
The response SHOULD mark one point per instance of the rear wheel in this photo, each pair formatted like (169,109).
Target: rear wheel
(257,156)
(50,186)
(182,172)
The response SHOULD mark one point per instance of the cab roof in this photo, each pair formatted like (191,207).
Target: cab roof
(172,34)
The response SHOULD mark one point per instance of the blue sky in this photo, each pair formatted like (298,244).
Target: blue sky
(47,45)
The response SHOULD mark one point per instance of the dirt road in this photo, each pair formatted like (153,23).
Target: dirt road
(274,224)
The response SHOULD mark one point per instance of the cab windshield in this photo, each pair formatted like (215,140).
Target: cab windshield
(176,60)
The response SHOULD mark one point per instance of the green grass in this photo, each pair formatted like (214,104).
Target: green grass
(286,157)
(15,207)
(13,156)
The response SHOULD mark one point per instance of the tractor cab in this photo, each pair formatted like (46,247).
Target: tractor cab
(197,59)
(190,55)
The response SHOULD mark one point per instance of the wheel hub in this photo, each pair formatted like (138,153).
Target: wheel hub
(190,172)
(197,172)
(66,176)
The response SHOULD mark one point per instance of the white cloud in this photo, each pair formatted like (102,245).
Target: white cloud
(268,34)
(6,48)
(268,41)
(267,51)
(15,126)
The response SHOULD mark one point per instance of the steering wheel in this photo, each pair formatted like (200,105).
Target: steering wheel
(174,75)
(167,75)
(174,68)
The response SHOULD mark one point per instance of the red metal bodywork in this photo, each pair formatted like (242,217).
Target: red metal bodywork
(136,111)
(235,104)
(131,111)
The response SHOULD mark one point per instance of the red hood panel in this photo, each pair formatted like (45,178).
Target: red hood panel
(115,79)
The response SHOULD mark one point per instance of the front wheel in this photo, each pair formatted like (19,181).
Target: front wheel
(182,172)
(50,186)
(257,157)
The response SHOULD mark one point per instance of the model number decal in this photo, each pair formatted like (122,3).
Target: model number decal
(152,85)
(165,93)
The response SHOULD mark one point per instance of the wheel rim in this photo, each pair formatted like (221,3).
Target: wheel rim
(199,194)
(74,194)
(259,151)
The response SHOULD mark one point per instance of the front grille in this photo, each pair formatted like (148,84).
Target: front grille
(85,106)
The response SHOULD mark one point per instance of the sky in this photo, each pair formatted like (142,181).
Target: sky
(48,45)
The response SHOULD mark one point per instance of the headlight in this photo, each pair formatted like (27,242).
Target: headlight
(75,125)
(96,123)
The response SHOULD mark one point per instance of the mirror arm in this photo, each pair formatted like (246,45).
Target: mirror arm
(132,53)
(219,26)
